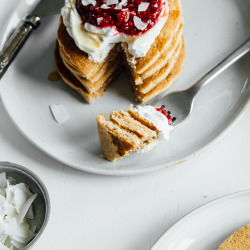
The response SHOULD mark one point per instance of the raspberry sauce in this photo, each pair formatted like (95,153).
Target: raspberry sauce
(167,114)
(122,15)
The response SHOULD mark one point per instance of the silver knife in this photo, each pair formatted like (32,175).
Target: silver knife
(30,22)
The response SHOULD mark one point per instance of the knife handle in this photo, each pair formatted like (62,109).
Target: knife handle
(16,41)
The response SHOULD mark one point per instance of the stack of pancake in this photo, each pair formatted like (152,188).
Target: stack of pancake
(157,71)
(149,75)
(90,79)
(125,132)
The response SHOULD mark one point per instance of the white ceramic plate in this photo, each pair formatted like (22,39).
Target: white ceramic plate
(212,30)
(208,226)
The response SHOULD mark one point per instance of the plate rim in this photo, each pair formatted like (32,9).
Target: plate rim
(194,212)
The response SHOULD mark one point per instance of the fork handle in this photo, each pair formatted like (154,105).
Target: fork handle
(220,67)
(16,41)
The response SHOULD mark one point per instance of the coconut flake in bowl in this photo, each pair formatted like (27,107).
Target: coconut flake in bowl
(24,207)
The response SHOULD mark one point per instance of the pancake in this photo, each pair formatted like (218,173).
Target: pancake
(166,83)
(116,142)
(104,75)
(150,82)
(77,57)
(239,240)
(163,59)
(123,134)
(74,83)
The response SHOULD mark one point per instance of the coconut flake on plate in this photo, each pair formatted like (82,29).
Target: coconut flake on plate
(143,6)
(139,24)
(59,113)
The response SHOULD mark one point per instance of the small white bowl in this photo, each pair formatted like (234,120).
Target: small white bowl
(41,205)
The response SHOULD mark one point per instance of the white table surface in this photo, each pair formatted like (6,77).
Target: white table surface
(94,212)
(128,213)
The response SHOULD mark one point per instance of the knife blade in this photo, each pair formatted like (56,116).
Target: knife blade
(24,29)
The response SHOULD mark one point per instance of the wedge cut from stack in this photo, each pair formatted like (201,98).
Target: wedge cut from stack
(90,79)
(135,130)
(157,71)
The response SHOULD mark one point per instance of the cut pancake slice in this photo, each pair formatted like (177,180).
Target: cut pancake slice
(138,129)
(116,142)
(123,134)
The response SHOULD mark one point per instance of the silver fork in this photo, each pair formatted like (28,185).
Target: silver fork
(180,103)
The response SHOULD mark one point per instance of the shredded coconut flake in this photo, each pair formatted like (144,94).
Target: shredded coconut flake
(99,19)
(110,2)
(139,24)
(88,2)
(143,6)
(123,2)
(104,6)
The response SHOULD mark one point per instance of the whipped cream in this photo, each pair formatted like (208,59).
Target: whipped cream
(97,42)
(155,117)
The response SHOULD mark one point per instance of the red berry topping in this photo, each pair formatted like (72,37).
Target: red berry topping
(132,17)
(166,113)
